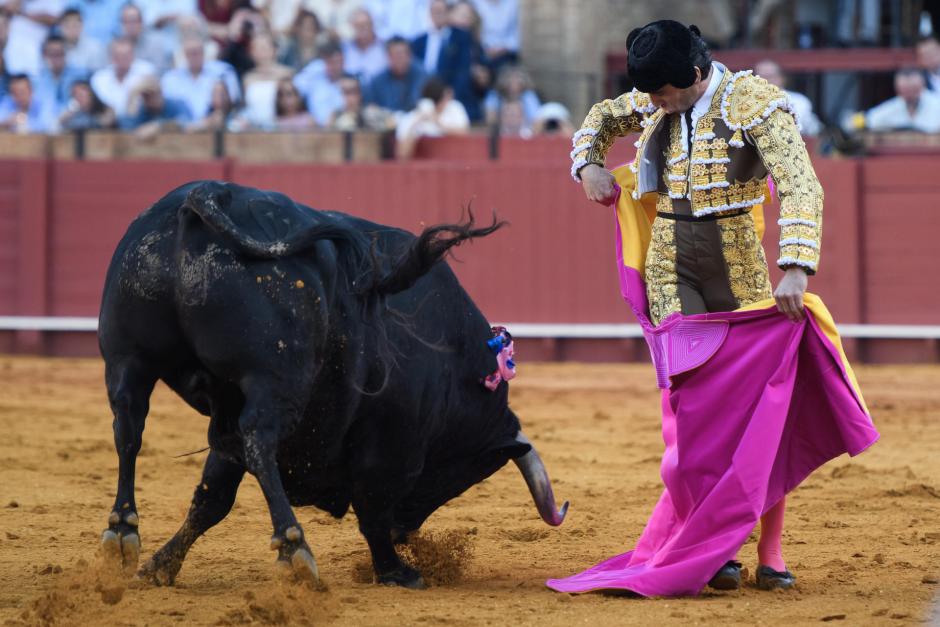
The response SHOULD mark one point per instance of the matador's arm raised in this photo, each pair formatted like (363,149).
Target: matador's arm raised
(606,121)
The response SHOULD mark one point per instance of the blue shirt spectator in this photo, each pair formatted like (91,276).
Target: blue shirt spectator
(193,84)
(101,18)
(54,84)
(19,111)
(318,83)
(399,87)
(81,50)
(512,85)
(148,105)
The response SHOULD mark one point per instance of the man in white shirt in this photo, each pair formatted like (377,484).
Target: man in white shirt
(928,57)
(29,27)
(437,114)
(364,55)
(914,108)
(193,84)
(500,32)
(802,106)
(399,18)
(113,83)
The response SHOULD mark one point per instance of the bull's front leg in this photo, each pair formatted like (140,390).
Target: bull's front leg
(260,424)
(130,384)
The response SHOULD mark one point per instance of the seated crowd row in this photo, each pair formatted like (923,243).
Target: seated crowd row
(248,76)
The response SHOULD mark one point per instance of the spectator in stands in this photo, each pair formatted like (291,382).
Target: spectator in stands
(914,108)
(437,114)
(101,19)
(553,119)
(149,110)
(928,57)
(194,27)
(85,110)
(146,46)
(281,16)
(291,110)
(246,23)
(218,14)
(399,87)
(447,52)
(399,18)
(319,83)
(81,51)
(304,42)
(364,55)
(334,16)
(500,31)
(512,120)
(354,115)
(260,84)
(29,26)
(19,111)
(54,83)
(513,85)
(809,123)
(162,18)
(113,83)
(221,112)
(865,13)
(463,15)
(193,83)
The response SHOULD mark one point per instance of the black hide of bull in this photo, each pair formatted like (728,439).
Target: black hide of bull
(339,363)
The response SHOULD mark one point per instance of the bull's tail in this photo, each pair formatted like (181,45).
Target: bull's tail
(426,250)
(209,200)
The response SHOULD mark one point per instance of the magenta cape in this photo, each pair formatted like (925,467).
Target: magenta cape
(752,404)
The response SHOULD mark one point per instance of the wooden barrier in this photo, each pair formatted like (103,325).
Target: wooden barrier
(253,147)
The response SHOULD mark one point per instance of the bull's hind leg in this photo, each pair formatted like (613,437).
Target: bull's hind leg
(261,423)
(130,383)
(212,501)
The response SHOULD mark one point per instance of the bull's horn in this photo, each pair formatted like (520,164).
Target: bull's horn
(536,478)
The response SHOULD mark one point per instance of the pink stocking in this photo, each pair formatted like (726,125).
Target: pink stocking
(769,550)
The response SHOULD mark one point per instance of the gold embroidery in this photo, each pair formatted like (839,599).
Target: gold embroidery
(605,122)
(784,154)
(662,282)
(744,257)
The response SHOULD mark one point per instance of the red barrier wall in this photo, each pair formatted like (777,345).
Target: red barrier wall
(60,222)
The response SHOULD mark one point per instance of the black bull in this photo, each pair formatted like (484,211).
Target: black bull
(339,363)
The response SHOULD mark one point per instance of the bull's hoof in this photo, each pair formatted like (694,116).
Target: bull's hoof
(300,566)
(161,569)
(405,576)
(120,548)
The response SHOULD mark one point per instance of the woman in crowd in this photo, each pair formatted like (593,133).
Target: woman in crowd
(291,109)
(260,83)
(513,85)
(85,111)
(304,41)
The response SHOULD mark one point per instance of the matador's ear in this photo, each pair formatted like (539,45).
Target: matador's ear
(631,37)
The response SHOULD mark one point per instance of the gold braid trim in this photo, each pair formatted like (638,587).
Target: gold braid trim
(784,155)
(606,121)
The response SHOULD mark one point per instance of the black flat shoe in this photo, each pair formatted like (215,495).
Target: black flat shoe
(728,577)
(770,579)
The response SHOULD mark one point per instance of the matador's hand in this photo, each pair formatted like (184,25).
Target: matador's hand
(599,184)
(789,293)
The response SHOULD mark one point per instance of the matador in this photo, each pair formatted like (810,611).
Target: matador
(735,422)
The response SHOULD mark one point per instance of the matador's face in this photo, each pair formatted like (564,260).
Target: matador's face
(677,100)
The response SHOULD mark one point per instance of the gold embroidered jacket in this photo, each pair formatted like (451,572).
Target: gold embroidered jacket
(748,132)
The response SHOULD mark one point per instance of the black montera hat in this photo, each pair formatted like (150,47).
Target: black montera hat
(660,53)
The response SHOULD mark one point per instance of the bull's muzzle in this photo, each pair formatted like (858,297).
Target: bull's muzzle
(536,477)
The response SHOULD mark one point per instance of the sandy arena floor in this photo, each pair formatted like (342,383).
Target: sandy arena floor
(862,535)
